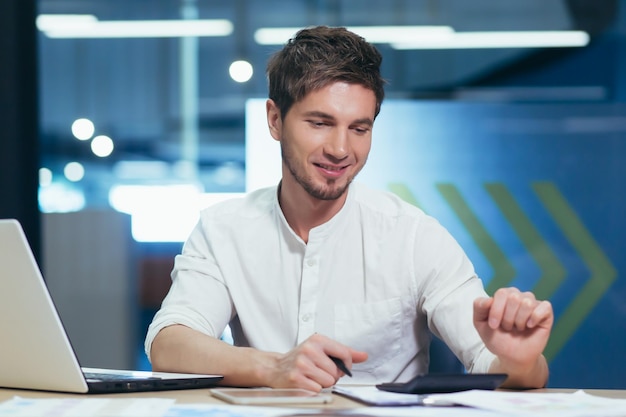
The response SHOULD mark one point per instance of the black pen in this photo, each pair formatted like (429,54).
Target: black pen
(342,366)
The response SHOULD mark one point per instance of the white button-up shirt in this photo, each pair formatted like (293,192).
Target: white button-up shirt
(375,277)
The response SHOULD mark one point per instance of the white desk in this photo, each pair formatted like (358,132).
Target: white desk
(201,398)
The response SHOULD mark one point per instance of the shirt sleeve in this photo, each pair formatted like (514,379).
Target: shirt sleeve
(447,290)
(198,297)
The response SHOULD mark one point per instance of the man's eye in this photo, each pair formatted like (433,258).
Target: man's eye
(317,124)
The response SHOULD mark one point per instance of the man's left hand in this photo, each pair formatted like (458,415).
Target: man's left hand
(515,326)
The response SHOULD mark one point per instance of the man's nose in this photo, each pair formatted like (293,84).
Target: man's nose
(337,145)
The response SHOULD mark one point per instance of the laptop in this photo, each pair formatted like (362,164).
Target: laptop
(35,351)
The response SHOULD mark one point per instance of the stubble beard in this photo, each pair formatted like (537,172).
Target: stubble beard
(328,192)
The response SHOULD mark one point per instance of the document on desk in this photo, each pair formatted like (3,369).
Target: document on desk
(538,404)
(473,404)
(370,395)
(482,402)
(85,407)
(137,407)
(228,410)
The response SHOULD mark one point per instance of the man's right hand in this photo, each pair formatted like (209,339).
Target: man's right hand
(178,348)
(309,366)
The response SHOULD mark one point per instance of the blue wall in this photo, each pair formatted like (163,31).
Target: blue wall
(535,195)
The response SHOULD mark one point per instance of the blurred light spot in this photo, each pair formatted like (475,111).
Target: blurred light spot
(47,22)
(185,169)
(45,177)
(74,171)
(136,198)
(102,146)
(141,170)
(60,198)
(68,26)
(228,173)
(83,129)
(240,71)
(165,213)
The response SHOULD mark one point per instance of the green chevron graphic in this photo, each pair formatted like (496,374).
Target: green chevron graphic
(553,271)
(503,270)
(402,191)
(602,271)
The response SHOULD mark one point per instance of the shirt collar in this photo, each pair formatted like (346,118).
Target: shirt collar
(323,230)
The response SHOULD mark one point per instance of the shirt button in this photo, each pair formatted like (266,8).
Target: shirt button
(306,317)
(310,262)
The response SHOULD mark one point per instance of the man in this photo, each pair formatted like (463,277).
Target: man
(320,267)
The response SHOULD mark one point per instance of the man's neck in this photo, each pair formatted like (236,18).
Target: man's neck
(303,212)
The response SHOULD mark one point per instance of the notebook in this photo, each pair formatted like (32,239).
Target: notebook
(35,351)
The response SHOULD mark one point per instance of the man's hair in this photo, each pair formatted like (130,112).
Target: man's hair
(319,56)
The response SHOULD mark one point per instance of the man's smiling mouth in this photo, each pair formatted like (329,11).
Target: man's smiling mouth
(331,167)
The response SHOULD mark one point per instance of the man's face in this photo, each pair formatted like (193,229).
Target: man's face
(325,138)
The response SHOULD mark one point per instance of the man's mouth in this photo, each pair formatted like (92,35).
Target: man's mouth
(330,167)
(332,171)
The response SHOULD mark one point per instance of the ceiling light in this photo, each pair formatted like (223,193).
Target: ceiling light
(45,177)
(442,37)
(373,34)
(74,171)
(54,21)
(88,26)
(83,129)
(502,39)
(102,146)
(241,71)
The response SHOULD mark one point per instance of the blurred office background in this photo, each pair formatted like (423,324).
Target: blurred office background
(505,119)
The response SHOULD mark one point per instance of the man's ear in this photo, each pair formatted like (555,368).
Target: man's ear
(274,119)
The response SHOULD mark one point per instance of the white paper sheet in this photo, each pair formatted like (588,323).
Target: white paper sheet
(369,394)
(84,407)
(476,403)
(536,404)
(218,410)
